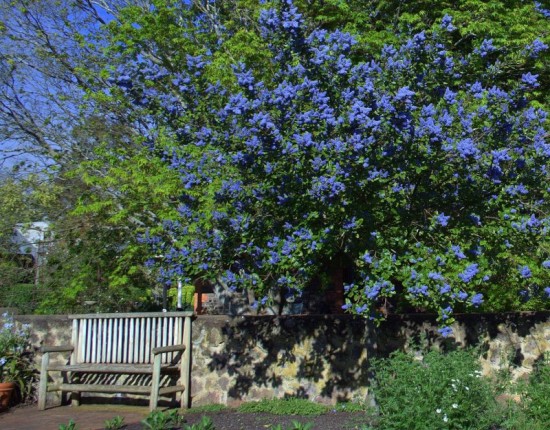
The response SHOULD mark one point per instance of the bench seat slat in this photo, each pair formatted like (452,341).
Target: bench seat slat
(96,388)
(110,368)
(170,390)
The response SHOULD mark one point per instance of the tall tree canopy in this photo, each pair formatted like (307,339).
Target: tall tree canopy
(266,144)
(417,169)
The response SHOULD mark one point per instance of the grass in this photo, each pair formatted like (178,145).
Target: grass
(289,406)
(205,409)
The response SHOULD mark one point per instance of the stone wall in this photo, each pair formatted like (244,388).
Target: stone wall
(325,357)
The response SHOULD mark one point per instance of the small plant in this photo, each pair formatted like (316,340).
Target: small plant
(15,356)
(296,425)
(441,391)
(158,420)
(204,424)
(70,426)
(116,423)
(290,406)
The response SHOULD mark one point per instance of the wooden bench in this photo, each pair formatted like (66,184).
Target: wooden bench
(152,344)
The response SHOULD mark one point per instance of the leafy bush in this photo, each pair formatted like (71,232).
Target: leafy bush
(290,406)
(70,426)
(158,420)
(115,423)
(441,391)
(204,424)
(536,395)
(15,356)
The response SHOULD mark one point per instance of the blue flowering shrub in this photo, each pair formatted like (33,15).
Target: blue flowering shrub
(439,391)
(410,165)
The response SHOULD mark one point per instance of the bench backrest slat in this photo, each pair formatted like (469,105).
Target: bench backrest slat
(125,339)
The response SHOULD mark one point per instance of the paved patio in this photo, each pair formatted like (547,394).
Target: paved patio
(87,417)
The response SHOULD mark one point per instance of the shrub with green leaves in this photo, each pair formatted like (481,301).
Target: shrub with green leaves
(115,423)
(440,391)
(158,420)
(204,424)
(536,395)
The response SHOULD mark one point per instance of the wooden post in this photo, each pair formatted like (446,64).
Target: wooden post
(43,387)
(155,383)
(76,339)
(186,364)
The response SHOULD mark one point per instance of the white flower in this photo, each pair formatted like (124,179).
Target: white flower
(467,388)
(438,411)
(445,418)
(455,405)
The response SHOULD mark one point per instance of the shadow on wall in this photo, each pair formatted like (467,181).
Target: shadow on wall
(326,357)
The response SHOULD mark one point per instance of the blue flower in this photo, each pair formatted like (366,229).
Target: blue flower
(468,274)
(447,23)
(367,257)
(546,264)
(524,271)
(458,252)
(445,289)
(530,79)
(535,48)
(467,148)
(404,93)
(541,10)
(443,220)
(436,276)
(445,331)
(477,299)
(486,48)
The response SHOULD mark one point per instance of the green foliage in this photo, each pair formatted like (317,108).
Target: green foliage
(296,425)
(19,296)
(204,424)
(158,420)
(187,297)
(535,396)
(351,407)
(115,423)
(440,391)
(287,406)
(16,363)
(207,408)
(126,189)
(70,426)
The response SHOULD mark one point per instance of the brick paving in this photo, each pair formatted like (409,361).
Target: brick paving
(86,417)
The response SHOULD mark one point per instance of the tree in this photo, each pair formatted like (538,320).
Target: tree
(116,145)
(409,170)
(22,201)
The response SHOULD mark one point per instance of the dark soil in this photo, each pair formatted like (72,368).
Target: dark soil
(233,420)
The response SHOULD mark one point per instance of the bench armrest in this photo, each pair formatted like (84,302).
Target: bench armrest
(170,348)
(61,348)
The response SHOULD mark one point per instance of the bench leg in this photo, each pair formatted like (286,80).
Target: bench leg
(185,369)
(155,383)
(43,386)
(75,398)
